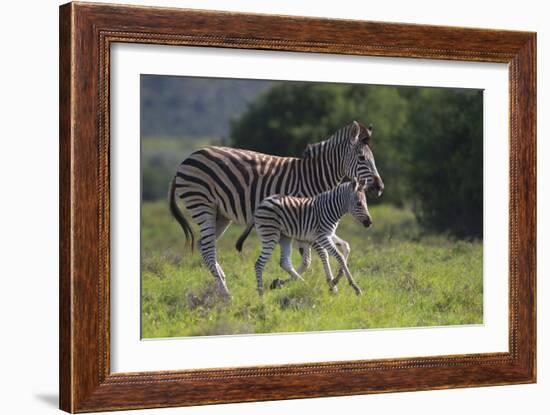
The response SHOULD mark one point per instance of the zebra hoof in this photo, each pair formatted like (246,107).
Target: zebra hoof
(276,283)
(358,291)
(333,289)
(225,295)
(223,292)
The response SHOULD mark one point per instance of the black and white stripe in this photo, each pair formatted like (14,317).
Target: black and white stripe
(313,221)
(220,185)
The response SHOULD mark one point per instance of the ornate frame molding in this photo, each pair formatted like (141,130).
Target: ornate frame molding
(86,34)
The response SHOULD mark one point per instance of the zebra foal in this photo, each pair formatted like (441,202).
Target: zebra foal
(309,220)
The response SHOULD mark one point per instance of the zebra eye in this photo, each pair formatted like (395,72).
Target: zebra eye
(362,158)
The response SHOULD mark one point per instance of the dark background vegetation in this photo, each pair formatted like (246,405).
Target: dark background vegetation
(428,142)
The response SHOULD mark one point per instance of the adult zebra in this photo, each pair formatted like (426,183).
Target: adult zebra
(220,185)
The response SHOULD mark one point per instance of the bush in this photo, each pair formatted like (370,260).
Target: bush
(445,148)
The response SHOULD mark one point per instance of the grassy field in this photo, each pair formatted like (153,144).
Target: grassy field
(408,279)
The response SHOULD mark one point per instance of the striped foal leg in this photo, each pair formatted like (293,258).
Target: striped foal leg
(268,245)
(345,248)
(207,248)
(322,252)
(328,244)
(305,251)
(286,256)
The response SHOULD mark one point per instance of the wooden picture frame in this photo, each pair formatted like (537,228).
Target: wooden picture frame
(86,33)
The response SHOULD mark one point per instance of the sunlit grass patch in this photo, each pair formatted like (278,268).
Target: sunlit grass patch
(409,279)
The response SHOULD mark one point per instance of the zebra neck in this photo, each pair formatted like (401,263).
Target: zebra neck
(333,205)
(320,173)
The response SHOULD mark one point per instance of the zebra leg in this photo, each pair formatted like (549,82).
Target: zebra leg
(221,226)
(328,244)
(305,251)
(345,249)
(267,249)
(207,248)
(323,254)
(286,262)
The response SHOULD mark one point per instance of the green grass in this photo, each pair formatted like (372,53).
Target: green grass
(408,280)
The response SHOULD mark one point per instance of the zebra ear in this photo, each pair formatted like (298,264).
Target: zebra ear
(361,133)
(368,134)
(355,132)
(365,133)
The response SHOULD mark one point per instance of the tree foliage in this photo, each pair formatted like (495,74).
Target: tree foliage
(446,160)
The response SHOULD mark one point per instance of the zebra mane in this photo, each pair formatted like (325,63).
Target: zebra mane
(312,150)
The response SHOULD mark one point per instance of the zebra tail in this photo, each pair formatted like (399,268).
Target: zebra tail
(176,213)
(244,235)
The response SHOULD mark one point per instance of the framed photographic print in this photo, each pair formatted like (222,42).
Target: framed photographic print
(260,207)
